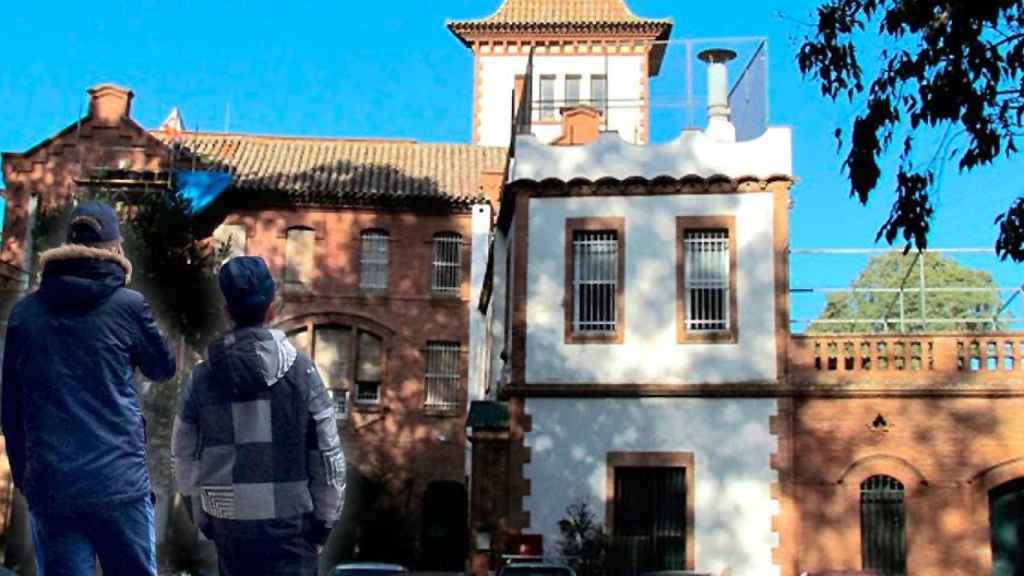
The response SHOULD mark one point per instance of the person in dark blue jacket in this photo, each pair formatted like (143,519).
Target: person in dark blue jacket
(72,420)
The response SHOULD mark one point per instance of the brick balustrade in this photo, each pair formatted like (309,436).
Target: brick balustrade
(915,361)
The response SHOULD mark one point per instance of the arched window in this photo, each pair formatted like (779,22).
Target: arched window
(373,260)
(298,255)
(349,359)
(447,263)
(1006,519)
(883,533)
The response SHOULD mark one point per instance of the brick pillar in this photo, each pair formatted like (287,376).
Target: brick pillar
(489,498)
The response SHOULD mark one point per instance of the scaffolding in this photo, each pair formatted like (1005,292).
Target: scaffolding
(895,317)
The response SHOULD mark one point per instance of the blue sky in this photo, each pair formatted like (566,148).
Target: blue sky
(391,69)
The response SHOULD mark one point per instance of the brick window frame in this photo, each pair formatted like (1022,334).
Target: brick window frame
(298,272)
(684,336)
(374,264)
(684,460)
(447,263)
(618,226)
(442,377)
(305,334)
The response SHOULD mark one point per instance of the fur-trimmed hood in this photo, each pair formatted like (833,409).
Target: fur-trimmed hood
(78,278)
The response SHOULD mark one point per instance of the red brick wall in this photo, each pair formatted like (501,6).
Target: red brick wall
(398,438)
(948,452)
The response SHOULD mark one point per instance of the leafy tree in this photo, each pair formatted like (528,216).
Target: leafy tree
(894,270)
(955,66)
(583,541)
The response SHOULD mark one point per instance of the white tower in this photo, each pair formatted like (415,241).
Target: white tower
(595,53)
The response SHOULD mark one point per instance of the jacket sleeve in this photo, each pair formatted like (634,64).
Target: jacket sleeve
(326,460)
(11,416)
(152,354)
(185,451)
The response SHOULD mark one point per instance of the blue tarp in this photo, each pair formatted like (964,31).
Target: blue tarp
(201,188)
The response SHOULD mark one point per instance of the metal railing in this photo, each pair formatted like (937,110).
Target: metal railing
(905,308)
(673,104)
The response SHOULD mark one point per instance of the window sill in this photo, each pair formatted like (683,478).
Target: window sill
(439,412)
(722,337)
(617,337)
(366,406)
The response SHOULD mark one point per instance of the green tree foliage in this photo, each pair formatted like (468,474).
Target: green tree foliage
(955,66)
(894,270)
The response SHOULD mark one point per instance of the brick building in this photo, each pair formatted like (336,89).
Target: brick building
(643,364)
(604,320)
(375,245)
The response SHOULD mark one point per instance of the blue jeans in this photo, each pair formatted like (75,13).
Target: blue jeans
(122,535)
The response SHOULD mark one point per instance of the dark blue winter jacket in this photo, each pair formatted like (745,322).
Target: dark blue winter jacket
(73,425)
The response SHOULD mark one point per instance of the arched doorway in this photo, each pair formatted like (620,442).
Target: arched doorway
(883,530)
(445,541)
(1006,522)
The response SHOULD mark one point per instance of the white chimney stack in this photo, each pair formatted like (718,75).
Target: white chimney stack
(719,126)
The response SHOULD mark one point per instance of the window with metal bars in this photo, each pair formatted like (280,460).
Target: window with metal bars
(447,277)
(572,89)
(707,280)
(442,375)
(650,524)
(1006,509)
(599,94)
(595,281)
(883,526)
(547,98)
(373,260)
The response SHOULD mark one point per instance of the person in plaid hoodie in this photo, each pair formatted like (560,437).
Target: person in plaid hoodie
(255,442)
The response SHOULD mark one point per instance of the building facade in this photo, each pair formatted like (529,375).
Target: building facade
(597,53)
(583,317)
(375,246)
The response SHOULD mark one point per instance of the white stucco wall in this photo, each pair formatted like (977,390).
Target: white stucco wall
(731,443)
(693,153)
(497,83)
(481,230)
(499,289)
(650,353)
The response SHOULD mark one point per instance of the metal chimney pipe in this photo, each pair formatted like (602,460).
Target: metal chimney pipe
(719,126)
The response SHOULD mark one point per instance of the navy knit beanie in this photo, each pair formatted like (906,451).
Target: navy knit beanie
(248,289)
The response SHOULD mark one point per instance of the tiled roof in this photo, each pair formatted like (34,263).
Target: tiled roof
(321,171)
(562,16)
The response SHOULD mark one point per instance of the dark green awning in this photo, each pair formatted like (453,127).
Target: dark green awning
(487,415)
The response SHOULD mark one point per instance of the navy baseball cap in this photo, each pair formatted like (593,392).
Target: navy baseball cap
(248,288)
(93,222)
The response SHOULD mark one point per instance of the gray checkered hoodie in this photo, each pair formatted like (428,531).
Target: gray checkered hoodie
(255,443)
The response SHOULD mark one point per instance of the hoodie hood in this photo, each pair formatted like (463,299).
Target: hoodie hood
(77,278)
(251,359)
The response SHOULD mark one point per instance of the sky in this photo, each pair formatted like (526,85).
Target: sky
(392,69)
